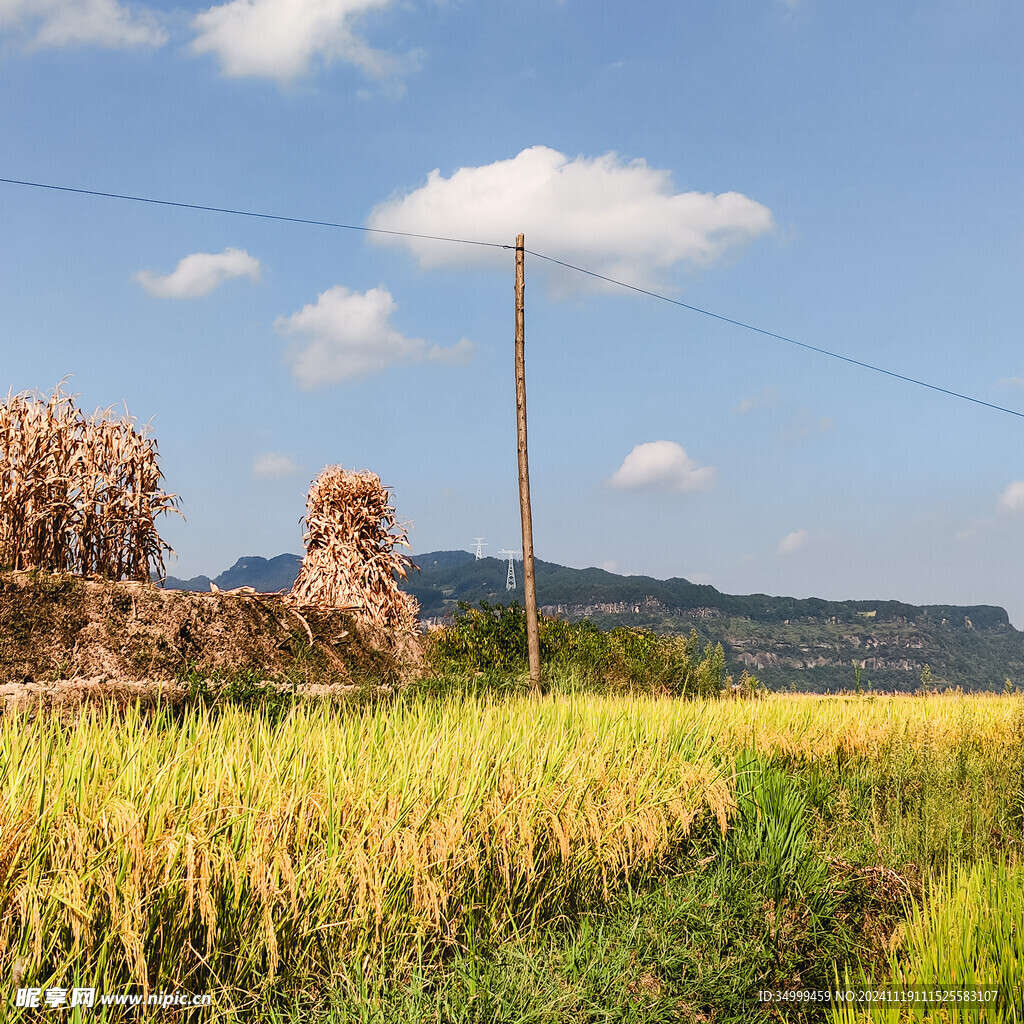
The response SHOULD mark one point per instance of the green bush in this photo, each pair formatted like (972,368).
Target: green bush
(491,640)
(488,638)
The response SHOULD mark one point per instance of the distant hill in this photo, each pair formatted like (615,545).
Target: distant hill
(450,576)
(264,574)
(790,643)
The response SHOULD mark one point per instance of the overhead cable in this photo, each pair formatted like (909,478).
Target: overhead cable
(539,255)
(251,213)
(777,337)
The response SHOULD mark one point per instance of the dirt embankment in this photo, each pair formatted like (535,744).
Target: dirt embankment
(66,638)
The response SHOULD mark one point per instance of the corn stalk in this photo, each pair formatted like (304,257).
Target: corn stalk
(350,559)
(78,494)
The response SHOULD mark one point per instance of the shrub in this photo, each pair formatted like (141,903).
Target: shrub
(491,639)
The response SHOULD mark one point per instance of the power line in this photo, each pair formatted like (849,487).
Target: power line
(778,337)
(542,256)
(250,213)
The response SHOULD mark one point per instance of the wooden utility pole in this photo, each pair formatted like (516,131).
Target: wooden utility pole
(529,583)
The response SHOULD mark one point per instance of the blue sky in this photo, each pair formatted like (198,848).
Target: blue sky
(846,175)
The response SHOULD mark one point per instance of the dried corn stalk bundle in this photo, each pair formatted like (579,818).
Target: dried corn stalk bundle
(78,494)
(350,559)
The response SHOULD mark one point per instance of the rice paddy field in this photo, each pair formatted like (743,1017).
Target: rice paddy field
(578,857)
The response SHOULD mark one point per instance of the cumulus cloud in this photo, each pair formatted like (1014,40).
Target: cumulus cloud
(282,38)
(662,466)
(199,274)
(1012,499)
(274,466)
(346,335)
(619,218)
(792,542)
(54,23)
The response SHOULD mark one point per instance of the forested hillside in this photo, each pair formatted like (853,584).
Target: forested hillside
(790,643)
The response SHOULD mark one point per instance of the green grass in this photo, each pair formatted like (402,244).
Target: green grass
(968,934)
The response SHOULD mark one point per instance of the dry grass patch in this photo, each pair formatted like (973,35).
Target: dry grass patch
(57,627)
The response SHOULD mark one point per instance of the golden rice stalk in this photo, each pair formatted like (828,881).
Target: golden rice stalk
(350,559)
(78,494)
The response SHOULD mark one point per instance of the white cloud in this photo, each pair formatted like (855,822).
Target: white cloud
(82,23)
(1012,499)
(199,274)
(767,396)
(804,425)
(281,38)
(274,466)
(792,541)
(662,466)
(348,335)
(621,219)
(971,532)
(1010,382)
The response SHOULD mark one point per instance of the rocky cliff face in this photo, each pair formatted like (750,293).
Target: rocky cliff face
(899,653)
(645,606)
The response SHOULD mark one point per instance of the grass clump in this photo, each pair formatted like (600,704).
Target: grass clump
(966,935)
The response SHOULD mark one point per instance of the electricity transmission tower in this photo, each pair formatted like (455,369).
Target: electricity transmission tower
(510,580)
(480,545)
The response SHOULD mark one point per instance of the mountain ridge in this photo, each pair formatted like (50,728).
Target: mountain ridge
(791,643)
(263,574)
